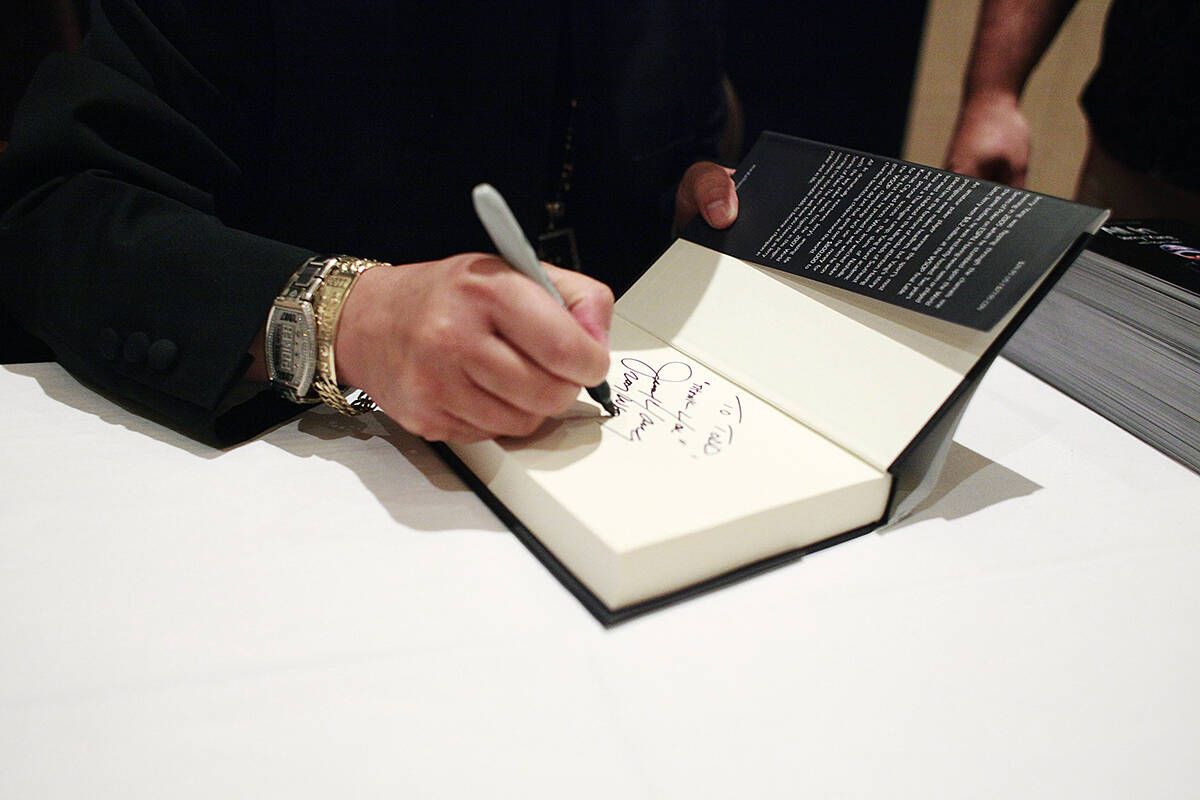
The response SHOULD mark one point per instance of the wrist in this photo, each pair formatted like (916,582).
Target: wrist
(991,98)
(361,319)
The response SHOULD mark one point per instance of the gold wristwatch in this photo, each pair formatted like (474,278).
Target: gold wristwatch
(302,329)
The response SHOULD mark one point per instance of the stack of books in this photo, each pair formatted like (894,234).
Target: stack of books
(1120,333)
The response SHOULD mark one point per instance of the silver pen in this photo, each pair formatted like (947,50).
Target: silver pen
(510,241)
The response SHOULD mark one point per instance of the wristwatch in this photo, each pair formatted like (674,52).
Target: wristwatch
(302,329)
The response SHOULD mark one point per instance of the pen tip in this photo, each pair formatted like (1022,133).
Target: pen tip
(602,394)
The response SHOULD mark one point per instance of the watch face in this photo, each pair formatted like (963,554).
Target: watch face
(291,347)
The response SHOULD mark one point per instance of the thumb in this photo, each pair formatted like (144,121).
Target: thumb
(707,189)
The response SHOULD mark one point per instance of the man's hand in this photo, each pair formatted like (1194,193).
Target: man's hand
(706,188)
(991,141)
(466,348)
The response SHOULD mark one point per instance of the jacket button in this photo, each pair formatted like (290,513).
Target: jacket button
(109,344)
(136,345)
(162,355)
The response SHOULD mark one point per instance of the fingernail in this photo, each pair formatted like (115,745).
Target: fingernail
(717,212)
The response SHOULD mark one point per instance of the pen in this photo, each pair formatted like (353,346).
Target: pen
(506,234)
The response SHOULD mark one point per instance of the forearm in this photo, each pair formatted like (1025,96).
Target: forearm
(1010,39)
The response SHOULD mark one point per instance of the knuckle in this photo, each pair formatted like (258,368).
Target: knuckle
(476,273)
(557,398)
(603,294)
(480,288)
(441,332)
(559,352)
(474,261)
(520,423)
(524,424)
(439,338)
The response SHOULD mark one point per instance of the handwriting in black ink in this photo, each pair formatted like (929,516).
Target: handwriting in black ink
(669,402)
(718,439)
(670,372)
(733,410)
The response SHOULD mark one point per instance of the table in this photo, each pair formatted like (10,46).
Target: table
(326,612)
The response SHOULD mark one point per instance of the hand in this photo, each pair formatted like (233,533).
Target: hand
(467,348)
(991,141)
(706,188)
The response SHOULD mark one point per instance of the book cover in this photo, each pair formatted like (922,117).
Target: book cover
(1168,250)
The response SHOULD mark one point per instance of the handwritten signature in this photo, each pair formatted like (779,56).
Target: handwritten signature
(676,372)
(676,405)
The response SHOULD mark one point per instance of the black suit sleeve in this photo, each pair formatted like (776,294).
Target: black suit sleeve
(119,244)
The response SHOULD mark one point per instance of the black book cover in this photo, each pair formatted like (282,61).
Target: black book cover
(1166,249)
(951,246)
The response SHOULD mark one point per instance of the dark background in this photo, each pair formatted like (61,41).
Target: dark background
(838,72)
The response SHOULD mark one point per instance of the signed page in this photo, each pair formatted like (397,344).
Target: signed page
(867,374)
(694,477)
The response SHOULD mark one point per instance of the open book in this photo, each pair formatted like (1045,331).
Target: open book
(784,384)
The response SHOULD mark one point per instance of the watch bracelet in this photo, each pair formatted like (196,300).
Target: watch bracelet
(328,301)
(291,335)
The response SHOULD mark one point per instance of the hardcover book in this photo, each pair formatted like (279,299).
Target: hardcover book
(783,384)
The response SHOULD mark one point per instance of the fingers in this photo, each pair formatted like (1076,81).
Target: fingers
(466,388)
(991,141)
(549,335)
(988,163)
(466,348)
(472,399)
(707,189)
(1001,170)
(458,410)
(525,386)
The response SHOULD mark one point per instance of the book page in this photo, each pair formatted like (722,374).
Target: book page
(865,373)
(695,476)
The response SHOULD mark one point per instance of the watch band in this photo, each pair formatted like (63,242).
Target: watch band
(330,297)
(291,340)
(302,330)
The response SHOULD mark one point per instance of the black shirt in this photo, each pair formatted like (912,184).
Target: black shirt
(166,181)
(1142,101)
